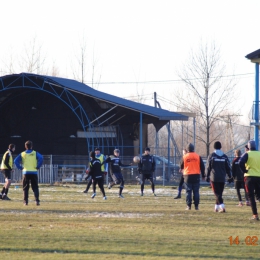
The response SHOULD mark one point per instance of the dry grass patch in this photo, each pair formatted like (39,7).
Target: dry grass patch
(71,225)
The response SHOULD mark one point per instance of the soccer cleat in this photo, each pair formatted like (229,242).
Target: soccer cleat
(154,195)
(240,204)
(188,208)
(255,218)
(109,185)
(142,194)
(25,203)
(4,197)
(215,210)
(222,210)
(248,203)
(121,196)
(37,203)
(177,197)
(196,207)
(85,191)
(93,196)
(104,198)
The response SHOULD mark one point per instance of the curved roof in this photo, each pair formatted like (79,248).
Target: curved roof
(74,85)
(60,108)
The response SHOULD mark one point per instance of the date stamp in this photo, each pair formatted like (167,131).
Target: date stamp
(249,240)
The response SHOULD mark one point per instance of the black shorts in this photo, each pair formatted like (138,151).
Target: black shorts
(147,176)
(7,174)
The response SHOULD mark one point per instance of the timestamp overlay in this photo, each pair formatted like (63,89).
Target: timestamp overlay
(247,240)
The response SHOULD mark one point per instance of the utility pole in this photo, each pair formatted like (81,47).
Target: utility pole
(231,132)
(156,104)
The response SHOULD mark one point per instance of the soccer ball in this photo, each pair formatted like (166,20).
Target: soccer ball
(136,159)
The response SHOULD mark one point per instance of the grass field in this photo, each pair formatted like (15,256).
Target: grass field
(70,225)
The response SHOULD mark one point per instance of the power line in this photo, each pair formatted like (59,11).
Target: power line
(216,118)
(169,81)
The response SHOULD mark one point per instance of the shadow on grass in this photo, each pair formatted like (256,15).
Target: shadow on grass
(122,253)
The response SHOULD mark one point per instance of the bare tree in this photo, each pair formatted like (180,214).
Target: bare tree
(95,82)
(54,70)
(81,62)
(8,62)
(33,59)
(80,70)
(208,93)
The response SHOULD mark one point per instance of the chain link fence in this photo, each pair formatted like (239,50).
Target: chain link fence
(64,169)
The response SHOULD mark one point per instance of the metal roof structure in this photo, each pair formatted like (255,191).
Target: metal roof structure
(93,108)
(76,86)
(253,55)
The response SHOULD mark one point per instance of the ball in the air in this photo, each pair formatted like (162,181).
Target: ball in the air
(136,159)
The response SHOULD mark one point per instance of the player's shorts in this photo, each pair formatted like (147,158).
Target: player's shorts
(117,177)
(6,173)
(147,176)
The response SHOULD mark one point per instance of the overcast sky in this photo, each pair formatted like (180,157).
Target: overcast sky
(134,41)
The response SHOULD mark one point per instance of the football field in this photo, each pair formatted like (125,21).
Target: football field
(70,225)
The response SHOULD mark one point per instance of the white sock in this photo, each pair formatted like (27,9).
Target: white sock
(222,206)
(216,206)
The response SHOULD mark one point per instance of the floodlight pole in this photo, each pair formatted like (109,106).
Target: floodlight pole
(256,105)
(255,58)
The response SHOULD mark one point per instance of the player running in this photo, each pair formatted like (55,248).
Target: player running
(115,171)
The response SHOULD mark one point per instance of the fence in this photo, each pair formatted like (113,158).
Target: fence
(58,169)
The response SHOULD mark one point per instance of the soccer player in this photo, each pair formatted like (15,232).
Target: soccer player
(115,171)
(146,167)
(182,179)
(250,165)
(238,177)
(29,162)
(192,166)
(101,158)
(6,168)
(217,168)
(97,175)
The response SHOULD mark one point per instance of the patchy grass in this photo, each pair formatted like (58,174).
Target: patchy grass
(70,225)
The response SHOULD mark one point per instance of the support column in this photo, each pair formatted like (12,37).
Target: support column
(141,134)
(256,105)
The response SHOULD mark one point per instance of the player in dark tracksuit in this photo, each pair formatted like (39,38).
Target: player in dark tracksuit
(101,158)
(182,178)
(146,167)
(115,171)
(218,167)
(97,175)
(238,177)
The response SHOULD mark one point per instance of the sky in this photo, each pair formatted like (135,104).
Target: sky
(135,46)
